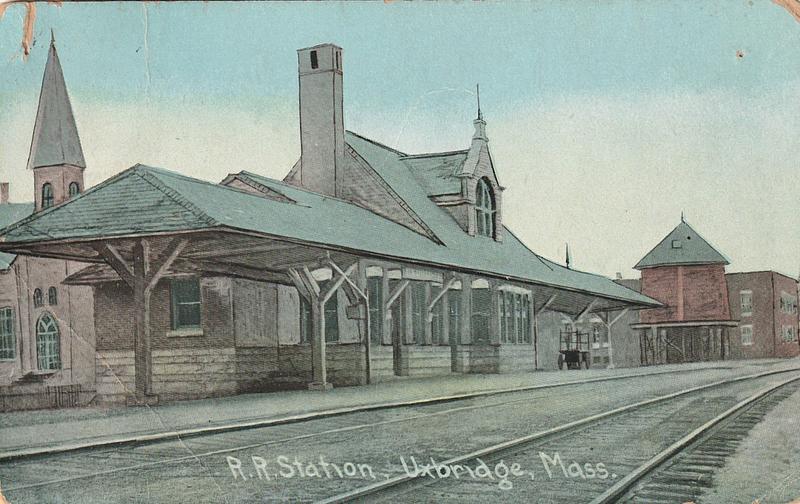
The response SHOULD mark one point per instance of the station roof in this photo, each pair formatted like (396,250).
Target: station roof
(682,246)
(144,201)
(9,214)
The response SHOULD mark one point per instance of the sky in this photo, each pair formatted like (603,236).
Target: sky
(606,120)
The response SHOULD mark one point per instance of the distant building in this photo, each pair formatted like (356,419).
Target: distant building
(687,275)
(47,347)
(765,304)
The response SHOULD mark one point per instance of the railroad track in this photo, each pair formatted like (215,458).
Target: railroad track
(204,457)
(689,473)
(667,466)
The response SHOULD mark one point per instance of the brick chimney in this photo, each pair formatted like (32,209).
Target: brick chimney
(321,118)
(3,193)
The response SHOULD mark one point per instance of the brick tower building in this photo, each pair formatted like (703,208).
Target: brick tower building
(687,275)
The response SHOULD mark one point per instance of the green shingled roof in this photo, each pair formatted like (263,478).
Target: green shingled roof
(9,214)
(682,246)
(143,200)
(436,173)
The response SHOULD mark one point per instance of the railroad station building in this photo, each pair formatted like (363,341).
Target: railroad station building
(364,264)
(47,347)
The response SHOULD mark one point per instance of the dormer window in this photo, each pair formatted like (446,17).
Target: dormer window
(47,195)
(485,209)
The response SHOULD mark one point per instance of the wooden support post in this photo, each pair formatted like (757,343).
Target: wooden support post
(536,314)
(319,370)
(427,317)
(141,309)
(345,275)
(609,323)
(585,311)
(142,276)
(466,310)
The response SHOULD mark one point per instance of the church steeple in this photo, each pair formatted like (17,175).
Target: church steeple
(56,156)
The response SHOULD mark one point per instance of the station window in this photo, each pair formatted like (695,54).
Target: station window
(8,339)
(375,293)
(747,334)
(484,208)
(418,310)
(185,303)
(305,320)
(481,311)
(514,314)
(437,317)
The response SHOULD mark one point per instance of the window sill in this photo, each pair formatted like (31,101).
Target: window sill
(44,372)
(185,333)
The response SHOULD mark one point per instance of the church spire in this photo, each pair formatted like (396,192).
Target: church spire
(55,136)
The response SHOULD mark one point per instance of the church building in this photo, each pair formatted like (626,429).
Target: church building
(47,354)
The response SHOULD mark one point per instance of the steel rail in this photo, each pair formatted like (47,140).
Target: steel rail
(375,488)
(622,486)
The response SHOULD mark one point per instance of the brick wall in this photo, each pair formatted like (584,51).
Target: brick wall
(788,286)
(703,296)
(760,318)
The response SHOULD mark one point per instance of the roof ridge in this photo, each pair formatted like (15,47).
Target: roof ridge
(436,154)
(700,252)
(375,142)
(526,247)
(359,159)
(144,173)
(124,173)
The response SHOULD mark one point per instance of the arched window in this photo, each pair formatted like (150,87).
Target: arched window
(484,209)
(47,195)
(48,344)
(74,189)
(37,298)
(52,296)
